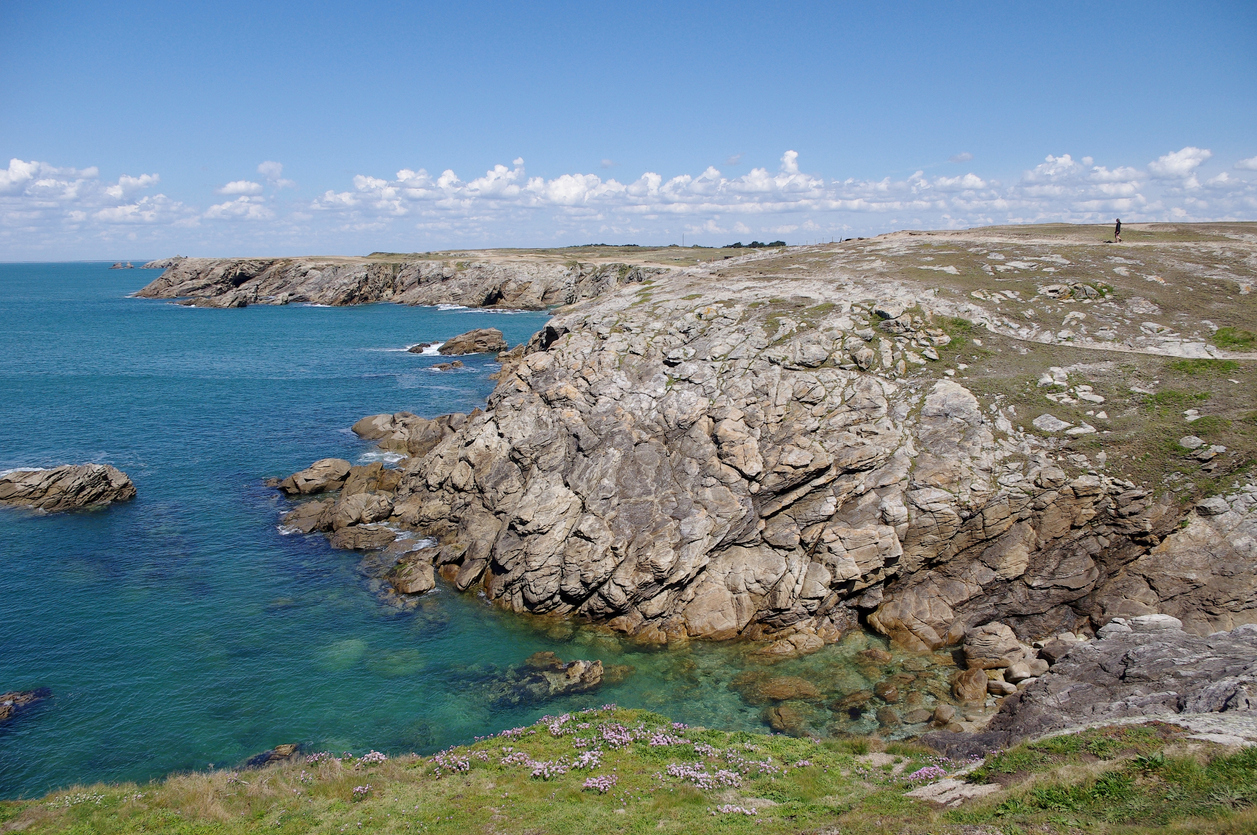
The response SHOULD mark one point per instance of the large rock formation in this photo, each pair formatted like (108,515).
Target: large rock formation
(478,341)
(777,457)
(522,284)
(67,487)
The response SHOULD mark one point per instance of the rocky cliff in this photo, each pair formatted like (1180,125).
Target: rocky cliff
(516,283)
(925,432)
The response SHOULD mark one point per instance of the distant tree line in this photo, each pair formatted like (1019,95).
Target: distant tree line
(753,245)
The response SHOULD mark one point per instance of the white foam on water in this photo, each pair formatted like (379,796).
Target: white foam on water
(452,307)
(18,470)
(433,350)
(315,304)
(287,530)
(386,457)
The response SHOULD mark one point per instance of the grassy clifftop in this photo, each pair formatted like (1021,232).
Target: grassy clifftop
(611,770)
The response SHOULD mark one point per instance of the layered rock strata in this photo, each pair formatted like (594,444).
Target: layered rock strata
(67,487)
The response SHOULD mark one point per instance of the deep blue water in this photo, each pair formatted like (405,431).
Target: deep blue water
(182,628)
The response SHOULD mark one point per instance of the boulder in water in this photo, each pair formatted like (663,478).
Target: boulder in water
(478,341)
(321,476)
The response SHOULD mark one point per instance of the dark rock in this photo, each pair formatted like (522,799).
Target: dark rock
(278,754)
(15,701)
(68,487)
(543,677)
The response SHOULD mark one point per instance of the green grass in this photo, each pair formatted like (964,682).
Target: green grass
(1117,780)
(1235,339)
(1199,367)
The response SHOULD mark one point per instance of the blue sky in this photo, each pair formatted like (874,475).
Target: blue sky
(143,129)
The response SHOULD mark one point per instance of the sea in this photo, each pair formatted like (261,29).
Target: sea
(185,630)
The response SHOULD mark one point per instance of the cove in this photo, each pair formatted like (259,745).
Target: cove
(183,629)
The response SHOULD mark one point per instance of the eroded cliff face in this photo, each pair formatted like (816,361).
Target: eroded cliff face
(518,284)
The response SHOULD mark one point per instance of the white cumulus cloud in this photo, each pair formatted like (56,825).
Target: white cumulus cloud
(1179,163)
(1249,164)
(241,187)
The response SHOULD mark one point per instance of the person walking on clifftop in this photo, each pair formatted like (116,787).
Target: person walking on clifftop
(1117,232)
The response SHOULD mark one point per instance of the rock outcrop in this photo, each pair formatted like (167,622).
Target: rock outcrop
(520,284)
(67,487)
(478,341)
(781,458)
(1142,667)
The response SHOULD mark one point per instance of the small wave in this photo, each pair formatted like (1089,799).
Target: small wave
(316,304)
(452,307)
(4,473)
(287,530)
(386,350)
(432,350)
(386,457)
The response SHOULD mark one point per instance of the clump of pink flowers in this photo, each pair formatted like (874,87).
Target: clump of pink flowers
(361,792)
(601,784)
(449,761)
(698,774)
(730,809)
(373,758)
(929,772)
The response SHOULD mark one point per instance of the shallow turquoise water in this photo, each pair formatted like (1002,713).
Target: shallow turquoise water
(182,629)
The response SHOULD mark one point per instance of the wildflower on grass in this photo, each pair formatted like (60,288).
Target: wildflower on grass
(929,772)
(698,774)
(372,758)
(547,769)
(730,809)
(315,759)
(361,792)
(449,761)
(615,734)
(802,763)
(601,784)
(703,749)
(588,760)
(659,740)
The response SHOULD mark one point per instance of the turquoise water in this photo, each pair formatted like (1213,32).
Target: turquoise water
(182,629)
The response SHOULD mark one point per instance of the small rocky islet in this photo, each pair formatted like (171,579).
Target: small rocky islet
(955,440)
(68,487)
